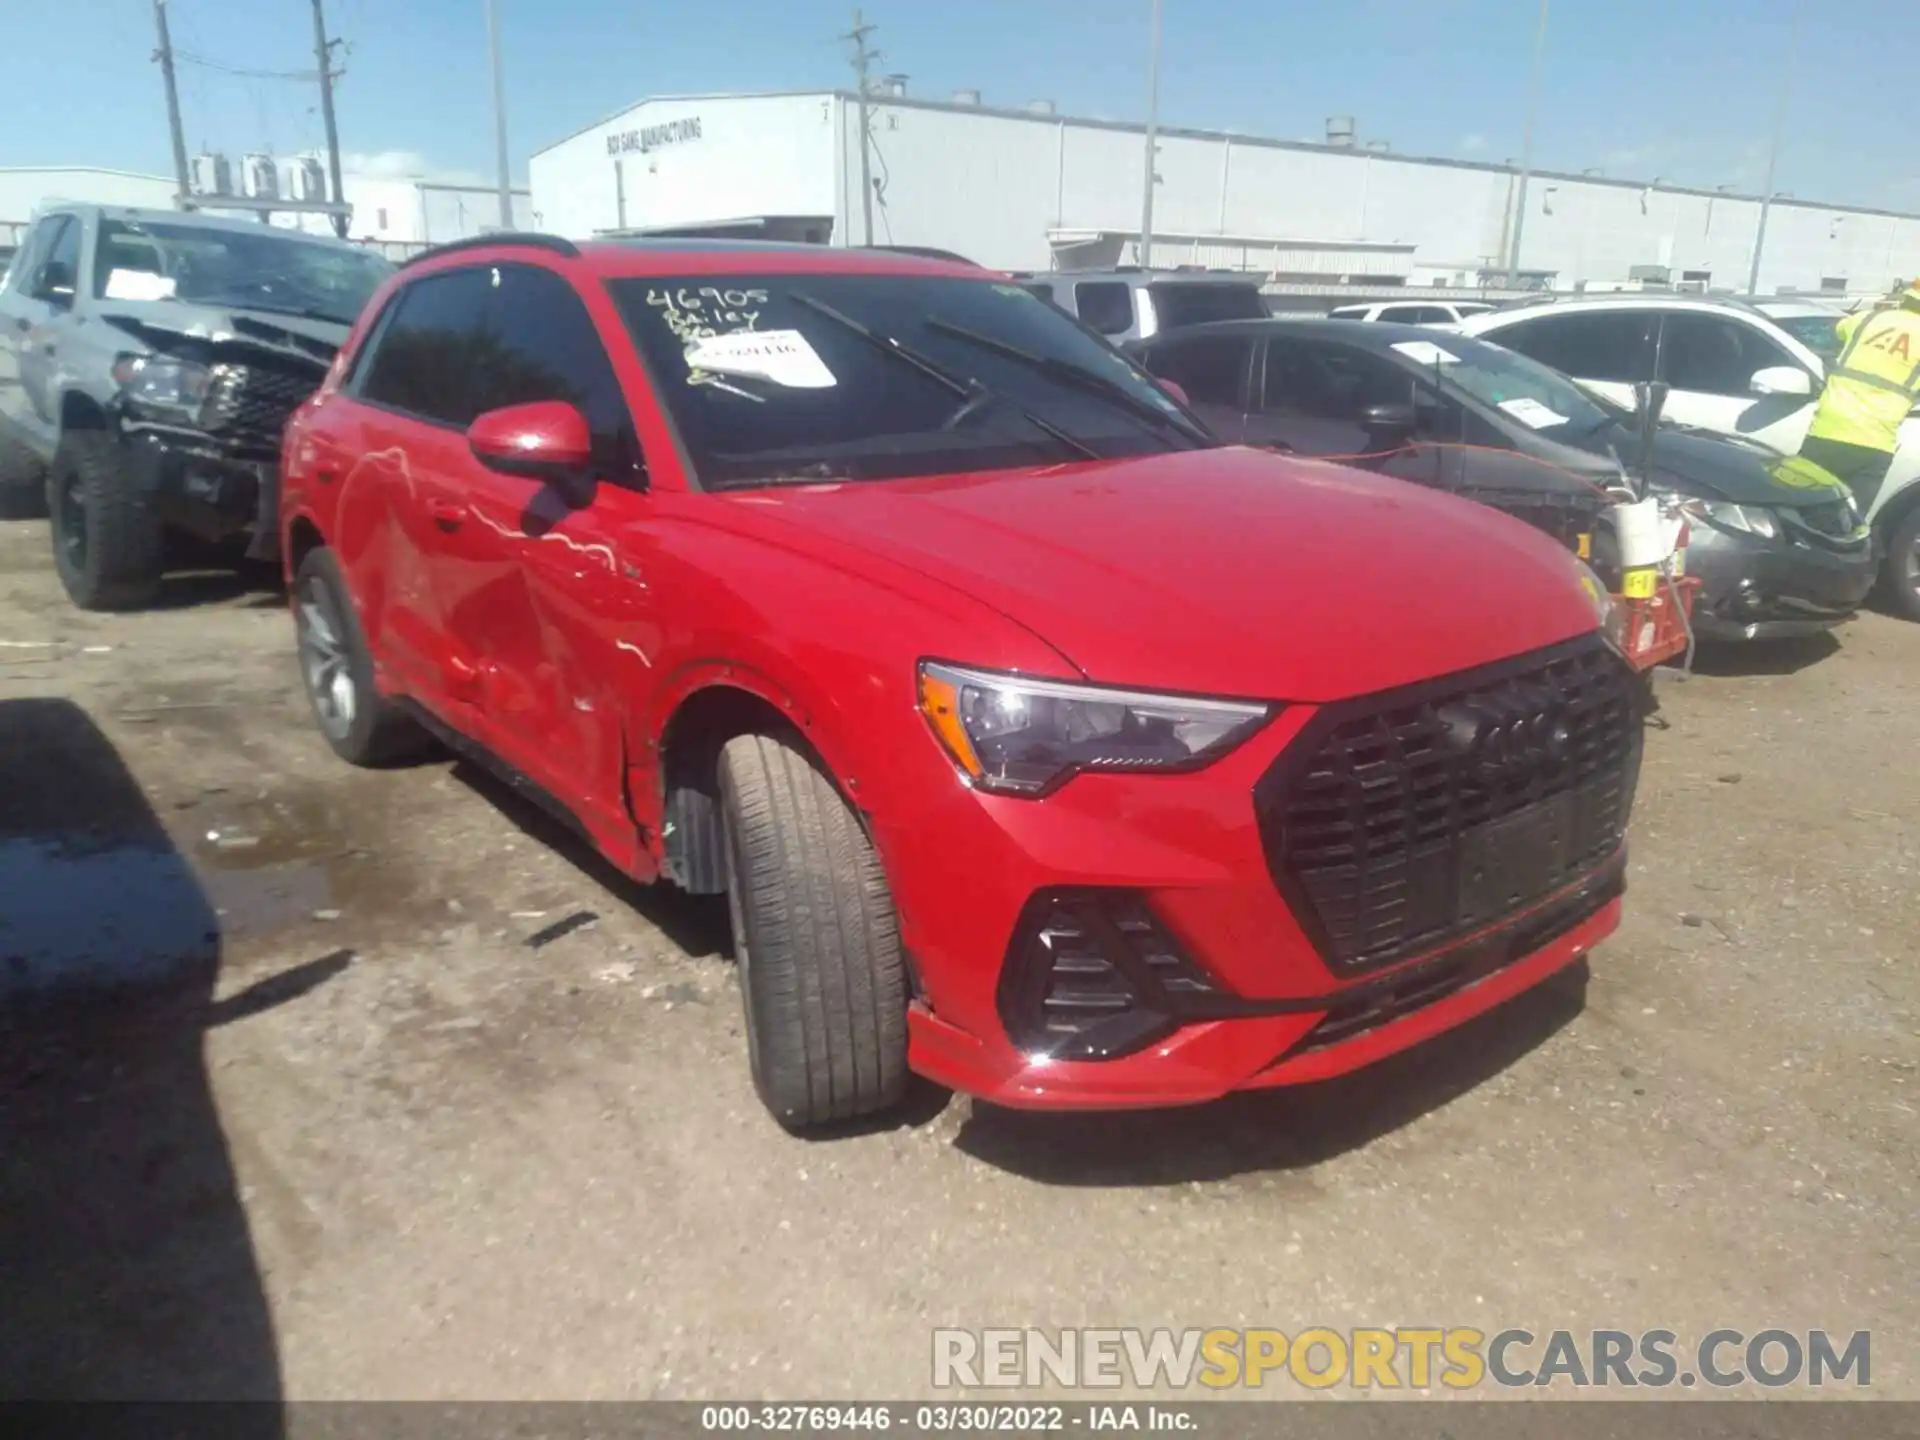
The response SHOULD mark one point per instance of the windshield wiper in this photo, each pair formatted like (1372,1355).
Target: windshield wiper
(1069,373)
(973,395)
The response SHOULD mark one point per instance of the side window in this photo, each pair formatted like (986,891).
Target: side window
(33,245)
(1330,382)
(1715,354)
(1105,305)
(545,347)
(1210,371)
(54,276)
(1607,345)
(423,358)
(1415,314)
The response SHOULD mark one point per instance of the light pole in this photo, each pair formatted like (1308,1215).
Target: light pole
(1153,128)
(1773,154)
(499,116)
(1526,148)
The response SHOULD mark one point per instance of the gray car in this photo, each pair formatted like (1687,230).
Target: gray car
(148,362)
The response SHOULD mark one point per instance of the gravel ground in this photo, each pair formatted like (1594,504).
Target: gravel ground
(375,1144)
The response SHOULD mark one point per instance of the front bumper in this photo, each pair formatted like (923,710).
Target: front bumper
(1259,1002)
(199,487)
(1762,589)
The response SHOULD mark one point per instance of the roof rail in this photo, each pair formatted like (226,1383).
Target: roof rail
(558,245)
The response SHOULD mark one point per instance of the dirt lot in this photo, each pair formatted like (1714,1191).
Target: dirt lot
(376,1144)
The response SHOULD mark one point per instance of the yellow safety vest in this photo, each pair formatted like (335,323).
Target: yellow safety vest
(1875,383)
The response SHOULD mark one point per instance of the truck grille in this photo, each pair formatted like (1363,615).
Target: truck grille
(1400,821)
(249,405)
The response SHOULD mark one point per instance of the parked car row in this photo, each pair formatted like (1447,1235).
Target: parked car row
(1041,740)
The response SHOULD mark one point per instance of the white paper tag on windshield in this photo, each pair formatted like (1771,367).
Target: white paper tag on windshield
(138,285)
(782,356)
(1425,352)
(1529,411)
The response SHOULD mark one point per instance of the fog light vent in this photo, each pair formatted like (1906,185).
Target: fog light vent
(1091,975)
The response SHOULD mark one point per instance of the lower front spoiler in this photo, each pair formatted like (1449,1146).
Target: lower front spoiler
(1208,1060)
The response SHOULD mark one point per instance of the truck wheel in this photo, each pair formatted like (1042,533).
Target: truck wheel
(1900,571)
(23,482)
(107,540)
(362,726)
(816,939)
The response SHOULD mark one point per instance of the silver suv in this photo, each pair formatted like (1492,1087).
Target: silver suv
(1128,304)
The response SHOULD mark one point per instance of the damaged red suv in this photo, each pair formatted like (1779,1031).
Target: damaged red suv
(1041,744)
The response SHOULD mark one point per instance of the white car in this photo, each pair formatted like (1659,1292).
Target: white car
(1731,369)
(1412,312)
(1808,321)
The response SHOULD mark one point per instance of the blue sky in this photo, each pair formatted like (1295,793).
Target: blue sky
(1681,89)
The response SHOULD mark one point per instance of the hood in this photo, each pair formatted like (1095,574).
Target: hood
(163,323)
(1222,572)
(1698,462)
(1725,467)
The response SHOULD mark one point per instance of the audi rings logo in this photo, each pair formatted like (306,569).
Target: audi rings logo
(1507,736)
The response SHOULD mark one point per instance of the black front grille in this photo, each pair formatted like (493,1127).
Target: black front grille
(1400,821)
(250,404)
(1830,520)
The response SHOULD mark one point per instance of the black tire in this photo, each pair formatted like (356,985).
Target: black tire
(23,482)
(816,938)
(1900,570)
(108,542)
(336,669)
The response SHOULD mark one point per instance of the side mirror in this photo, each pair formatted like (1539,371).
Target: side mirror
(1175,389)
(1781,380)
(1395,421)
(547,440)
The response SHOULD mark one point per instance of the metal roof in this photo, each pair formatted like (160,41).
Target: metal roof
(908,102)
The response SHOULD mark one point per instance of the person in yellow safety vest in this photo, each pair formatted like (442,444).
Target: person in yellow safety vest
(1871,388)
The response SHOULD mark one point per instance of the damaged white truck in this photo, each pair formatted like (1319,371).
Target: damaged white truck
(148,363)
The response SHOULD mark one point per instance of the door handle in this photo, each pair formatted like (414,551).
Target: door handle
(446,514)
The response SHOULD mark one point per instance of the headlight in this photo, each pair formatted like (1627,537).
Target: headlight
(1607,614)
(1753,519)
(1018,736)
(164,382)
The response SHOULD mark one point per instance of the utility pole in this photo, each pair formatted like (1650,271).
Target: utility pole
(863,59)
(323,61)
(1773,152)
(500,116)
(1526,148)
(165,56)
(1153,140)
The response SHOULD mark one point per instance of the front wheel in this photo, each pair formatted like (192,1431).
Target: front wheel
(108,543)
(816,938)
(1900,571)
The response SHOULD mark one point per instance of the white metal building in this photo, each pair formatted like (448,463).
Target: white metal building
(1029,189)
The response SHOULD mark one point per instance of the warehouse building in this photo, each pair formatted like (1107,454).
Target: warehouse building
(1026,188)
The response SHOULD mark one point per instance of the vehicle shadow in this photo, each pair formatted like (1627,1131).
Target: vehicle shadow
(126,1267)
(1288,1129)
(250,584)
(695,923)
(1764,657)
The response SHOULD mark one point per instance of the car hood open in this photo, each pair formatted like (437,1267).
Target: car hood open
(164,324)
(1227,572)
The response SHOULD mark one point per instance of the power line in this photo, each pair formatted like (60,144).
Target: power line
(187,57)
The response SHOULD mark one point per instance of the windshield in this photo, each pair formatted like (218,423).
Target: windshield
(1177,303)
(785,378)
(1816,332)
(273,271)
(1543,400)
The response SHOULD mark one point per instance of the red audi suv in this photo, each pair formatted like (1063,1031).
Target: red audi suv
(1041,743)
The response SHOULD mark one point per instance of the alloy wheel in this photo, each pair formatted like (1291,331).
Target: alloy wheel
(325,662)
